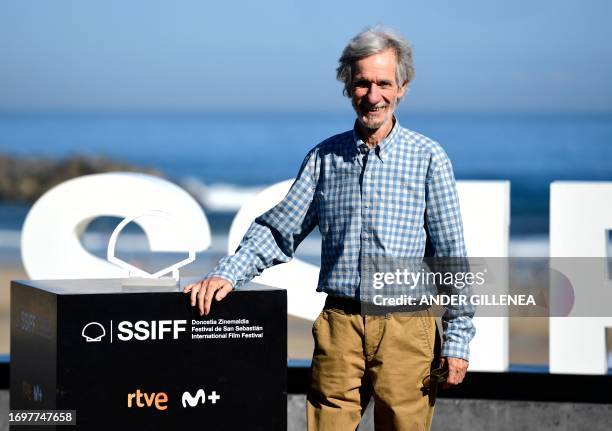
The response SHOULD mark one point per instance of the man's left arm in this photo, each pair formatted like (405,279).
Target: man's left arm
(445,228)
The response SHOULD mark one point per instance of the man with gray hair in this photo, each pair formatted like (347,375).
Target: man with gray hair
(376,190)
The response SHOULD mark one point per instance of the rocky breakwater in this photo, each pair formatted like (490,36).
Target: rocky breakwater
(25,179)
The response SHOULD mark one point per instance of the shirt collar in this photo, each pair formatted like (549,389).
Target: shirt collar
(384,146)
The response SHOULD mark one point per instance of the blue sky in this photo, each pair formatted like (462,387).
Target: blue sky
(546,55)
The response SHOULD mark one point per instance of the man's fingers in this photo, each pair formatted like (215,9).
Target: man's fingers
(221,293)
(194,292)
(202,297)
(457,369)
(203,292)
(208,297)
(455,377)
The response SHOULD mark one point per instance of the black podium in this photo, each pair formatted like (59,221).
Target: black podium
(144,359)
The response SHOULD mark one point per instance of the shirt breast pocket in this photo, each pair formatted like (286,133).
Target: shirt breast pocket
(403,201)
(337,199)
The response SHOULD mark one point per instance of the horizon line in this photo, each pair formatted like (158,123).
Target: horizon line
(310,112)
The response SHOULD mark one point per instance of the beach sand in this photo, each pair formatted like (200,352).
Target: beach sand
(6,275)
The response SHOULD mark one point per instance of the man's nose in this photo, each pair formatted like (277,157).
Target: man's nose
(373,94)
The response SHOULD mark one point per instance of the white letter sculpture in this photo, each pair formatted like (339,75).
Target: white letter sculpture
(50,243)
(485,210)
(580,216)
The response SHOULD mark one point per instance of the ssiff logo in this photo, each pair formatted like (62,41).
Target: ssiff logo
(93,332)
(142,330)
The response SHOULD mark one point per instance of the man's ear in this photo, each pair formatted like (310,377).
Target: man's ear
(402,90)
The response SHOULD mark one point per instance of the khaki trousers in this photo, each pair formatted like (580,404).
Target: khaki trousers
(357,356)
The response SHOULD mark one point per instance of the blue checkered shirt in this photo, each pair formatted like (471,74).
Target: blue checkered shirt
(385,205)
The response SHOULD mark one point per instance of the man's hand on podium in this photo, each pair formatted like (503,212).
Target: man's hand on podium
(204,290)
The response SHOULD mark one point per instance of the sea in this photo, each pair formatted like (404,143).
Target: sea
(227,157)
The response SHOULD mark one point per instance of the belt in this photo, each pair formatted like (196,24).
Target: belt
(352,306)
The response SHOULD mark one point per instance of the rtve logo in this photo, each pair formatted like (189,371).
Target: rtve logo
(140,330)
(144,399)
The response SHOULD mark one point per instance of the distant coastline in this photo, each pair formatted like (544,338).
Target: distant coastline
(25,179)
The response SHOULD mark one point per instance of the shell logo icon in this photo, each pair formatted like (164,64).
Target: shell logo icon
(93,332)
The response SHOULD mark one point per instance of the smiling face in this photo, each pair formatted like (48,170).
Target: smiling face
(374,91)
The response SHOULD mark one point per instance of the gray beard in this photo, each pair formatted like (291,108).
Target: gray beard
(372,126)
